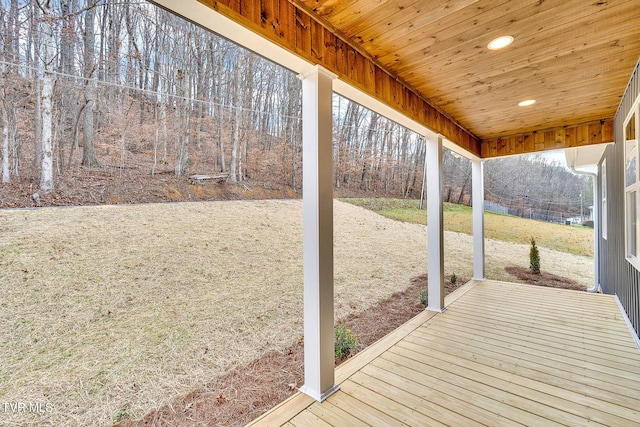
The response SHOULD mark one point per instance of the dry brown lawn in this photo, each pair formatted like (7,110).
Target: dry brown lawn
(109,311)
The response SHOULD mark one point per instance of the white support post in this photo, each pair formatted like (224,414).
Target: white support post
(317,165)
(435,225)
(478,219)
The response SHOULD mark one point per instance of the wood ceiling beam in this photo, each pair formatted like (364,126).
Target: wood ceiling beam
(296,28)
(599,132)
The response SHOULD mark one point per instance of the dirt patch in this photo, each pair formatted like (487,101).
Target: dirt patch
(110,186)
(549,280)
(245,393)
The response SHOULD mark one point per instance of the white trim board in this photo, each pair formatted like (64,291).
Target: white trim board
(629,324)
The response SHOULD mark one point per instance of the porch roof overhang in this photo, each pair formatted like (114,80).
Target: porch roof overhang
(427,62)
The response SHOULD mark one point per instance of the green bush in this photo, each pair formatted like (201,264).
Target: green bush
(454,279)
(424,296)
(345,341)
(534,257)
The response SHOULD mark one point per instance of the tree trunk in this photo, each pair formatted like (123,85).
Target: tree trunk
(5,137)
(368,151)
(233,171)
(88,149)
(182,139)
(4,117)
(47,57)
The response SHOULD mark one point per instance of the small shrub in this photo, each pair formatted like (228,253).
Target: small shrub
(424,296)
(345,341)
(454,279)
(534,257)
(121,415)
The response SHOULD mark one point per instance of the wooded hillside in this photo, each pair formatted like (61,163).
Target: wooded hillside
(110,94)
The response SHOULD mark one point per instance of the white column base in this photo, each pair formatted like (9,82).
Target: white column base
(320,397)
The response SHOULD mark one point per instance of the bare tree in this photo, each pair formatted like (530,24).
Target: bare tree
(233,168)
(4,115)
(47,56)
(88,148)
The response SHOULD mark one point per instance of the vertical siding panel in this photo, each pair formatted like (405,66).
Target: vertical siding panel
(341,57)
(607,131)
(529,143)
(303,34)
(570,135)
(317,41)
(287,24)
(538,141)
(595,133)
(549,140)
(617,275)
(330,50)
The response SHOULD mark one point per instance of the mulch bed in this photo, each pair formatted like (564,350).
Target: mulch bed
(245,393)
(543,279)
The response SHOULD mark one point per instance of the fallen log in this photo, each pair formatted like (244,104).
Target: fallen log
(198,179)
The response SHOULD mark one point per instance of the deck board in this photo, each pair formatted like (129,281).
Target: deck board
(368,414)
(336,415)
(573,365)
(555,345)
(501,354)
(547,371)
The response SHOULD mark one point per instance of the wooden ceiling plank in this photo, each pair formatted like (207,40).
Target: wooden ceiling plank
(469,35)
(352,11)
(326,7)
(552,78)
(584,94)
(394,39)
(542,46)
(395,12)
(526,82)
(541,90)
(593,60)
(405,18)
(561,26)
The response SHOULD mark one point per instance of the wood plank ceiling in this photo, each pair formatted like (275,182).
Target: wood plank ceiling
(574,57)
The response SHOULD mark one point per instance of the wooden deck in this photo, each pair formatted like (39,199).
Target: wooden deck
(501,354)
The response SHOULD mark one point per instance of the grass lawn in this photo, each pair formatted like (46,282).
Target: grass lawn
(571,239)
(111,312)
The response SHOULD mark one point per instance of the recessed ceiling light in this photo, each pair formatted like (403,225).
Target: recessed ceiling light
(526,103)
(500,42)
